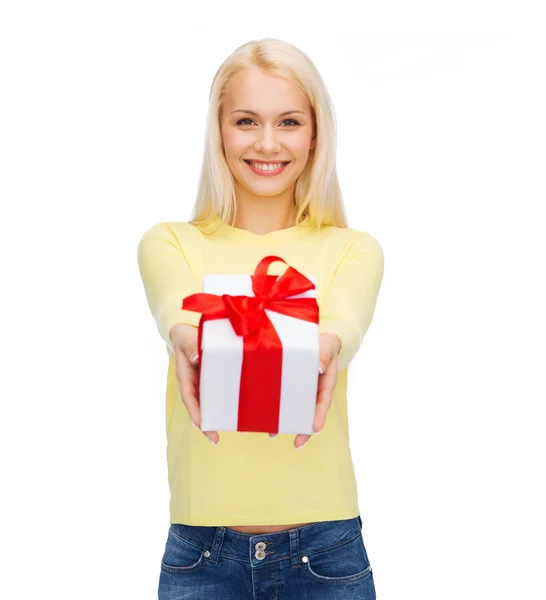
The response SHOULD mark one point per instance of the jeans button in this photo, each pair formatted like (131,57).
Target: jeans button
(260,554)
(260,546)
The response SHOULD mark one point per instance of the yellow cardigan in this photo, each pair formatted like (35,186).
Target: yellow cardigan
(249,478)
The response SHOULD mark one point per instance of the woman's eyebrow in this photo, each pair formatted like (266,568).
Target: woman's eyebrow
(251,112)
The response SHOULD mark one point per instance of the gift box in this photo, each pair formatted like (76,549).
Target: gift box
(258,351)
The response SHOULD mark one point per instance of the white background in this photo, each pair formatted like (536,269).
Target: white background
(441,156)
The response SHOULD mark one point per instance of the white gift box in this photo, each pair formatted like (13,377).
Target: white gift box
(221,361)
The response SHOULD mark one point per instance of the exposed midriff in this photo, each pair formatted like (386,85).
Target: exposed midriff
(266,528)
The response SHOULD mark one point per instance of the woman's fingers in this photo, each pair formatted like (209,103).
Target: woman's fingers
(326,384)
(213,437)
(186,374)
(300,440)
(188,378)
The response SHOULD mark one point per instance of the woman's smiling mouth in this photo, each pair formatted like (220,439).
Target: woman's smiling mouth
(267,169)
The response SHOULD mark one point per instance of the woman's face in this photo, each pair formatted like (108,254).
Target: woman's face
(267,135)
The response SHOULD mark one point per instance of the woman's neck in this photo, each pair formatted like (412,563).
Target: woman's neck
(261,221)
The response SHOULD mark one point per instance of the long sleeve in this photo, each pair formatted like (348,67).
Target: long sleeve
(352,294)
(167,278)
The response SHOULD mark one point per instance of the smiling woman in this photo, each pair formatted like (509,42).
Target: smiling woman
(251,515)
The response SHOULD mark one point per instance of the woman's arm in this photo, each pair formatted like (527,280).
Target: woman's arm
(352,294)
(167,278)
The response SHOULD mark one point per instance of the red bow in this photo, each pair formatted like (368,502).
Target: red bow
(260,391)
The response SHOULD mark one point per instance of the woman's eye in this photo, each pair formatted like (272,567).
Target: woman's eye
(242,122)
(292,120)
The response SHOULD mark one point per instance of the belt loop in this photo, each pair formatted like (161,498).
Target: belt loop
(360,521)
(294,548)
(217,544)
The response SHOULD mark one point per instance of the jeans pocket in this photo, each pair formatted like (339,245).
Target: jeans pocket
(345,563)
(181,556)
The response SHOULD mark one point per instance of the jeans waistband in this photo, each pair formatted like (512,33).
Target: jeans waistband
(262,548)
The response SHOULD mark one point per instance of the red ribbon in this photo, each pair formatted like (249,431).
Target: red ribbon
(260,391)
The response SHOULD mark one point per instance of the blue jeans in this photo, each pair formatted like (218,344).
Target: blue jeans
(324,560)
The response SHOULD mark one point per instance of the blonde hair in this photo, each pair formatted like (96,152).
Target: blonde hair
(317,191)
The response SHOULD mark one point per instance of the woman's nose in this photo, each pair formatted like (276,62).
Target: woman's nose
(268,139)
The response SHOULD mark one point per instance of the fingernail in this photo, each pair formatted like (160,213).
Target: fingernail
(272,436)
(321,370)
(193,424)
(317,432)
(213,443)
(194,357)
(299,447)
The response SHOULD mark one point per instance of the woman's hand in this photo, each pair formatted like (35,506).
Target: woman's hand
(184,338)
(330,345)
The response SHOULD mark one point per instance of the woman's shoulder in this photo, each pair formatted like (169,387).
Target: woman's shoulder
(350,236)
(178,232)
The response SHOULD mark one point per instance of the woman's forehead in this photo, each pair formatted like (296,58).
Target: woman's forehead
(264,94)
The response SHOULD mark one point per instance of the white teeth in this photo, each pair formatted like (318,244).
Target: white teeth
(266,167)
